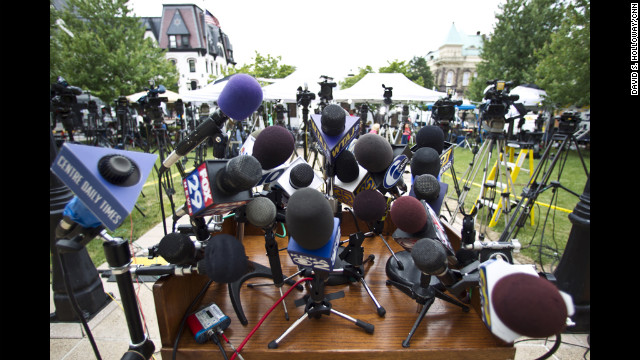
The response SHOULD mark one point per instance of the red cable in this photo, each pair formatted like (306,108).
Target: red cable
(235,353)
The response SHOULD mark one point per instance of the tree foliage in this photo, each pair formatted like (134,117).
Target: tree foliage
(565,66)
(416,70)
(265,67)
(107,53)
(512,52)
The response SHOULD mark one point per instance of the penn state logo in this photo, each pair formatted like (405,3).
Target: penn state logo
(394,172)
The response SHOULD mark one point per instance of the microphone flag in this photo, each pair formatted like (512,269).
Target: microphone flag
(332,145)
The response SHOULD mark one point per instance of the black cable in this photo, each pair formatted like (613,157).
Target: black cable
(186,315)
(217,341)
(553,349)
(75,306)
(355,220)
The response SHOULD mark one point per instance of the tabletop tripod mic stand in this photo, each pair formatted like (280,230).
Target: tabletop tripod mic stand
(274,271)
(353,268)
(424,293)
(318,304)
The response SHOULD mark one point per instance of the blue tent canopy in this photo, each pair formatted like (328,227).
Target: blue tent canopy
(461,107)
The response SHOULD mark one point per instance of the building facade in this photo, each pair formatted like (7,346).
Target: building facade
(194,41)
(454,63)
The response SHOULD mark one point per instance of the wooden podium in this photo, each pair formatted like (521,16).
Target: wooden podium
(446,332)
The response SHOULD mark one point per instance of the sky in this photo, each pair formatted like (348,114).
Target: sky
(336,37)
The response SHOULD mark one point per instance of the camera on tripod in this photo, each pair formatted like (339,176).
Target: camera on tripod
(122,106)
(304,97)
(63,97)
(568,122)
(326,86)
(498,104)
(388,93)
(443,110)
(151,103)
(280,111)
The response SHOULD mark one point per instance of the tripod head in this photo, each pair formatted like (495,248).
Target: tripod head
(498,102)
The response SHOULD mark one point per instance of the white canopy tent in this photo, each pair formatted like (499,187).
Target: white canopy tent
(530,95)
(170,95)
(209,93)
(369,89)
(286,89)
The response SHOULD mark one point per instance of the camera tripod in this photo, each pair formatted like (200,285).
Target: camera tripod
(536,186)
(318,304)
(490,181)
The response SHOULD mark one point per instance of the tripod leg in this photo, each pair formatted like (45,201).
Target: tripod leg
(423,312)
(442,296)
(381,310)
(365,325)
(274,344)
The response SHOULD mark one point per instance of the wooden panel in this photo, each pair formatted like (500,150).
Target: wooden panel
(446,331)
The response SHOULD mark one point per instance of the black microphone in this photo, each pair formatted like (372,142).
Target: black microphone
(370,205)
(373,152)
(425,160)
(333,120)
(261,212)
(177,248)
(309,218)
(346,167)
(273,146)
(301,175)
(241,96)
(431,136)
(427,188)
(431,258)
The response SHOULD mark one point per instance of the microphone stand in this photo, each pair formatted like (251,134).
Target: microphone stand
(424,293)
(257,270)
(318,304)
(119,258)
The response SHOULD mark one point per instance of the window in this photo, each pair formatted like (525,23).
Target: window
(173,61)
(194,84)
(465,78)
(449,78)
(192,65)
(185,41)
(172,42)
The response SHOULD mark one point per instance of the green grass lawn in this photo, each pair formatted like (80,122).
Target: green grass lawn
(545,240)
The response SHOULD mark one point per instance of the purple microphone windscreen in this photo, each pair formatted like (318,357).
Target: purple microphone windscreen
(241,96)
(408,214)
(332,120)
(529,305)
(429,256)
(224,260)
(425,161)
(369,205)
(373,152)
(347,169)
(273,146)
(426,187)
(431,136)
(309,218)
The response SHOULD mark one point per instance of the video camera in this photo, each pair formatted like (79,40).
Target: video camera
(444,110)
(387,94)
(151,102)
(568,122)
(63,97)
(304,97)
(326,86)
(494,110)
(122,106)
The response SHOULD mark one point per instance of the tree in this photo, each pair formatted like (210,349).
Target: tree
(565,65)
(350,81)
(511,52)
(265,67)
(420,73)
(107,53)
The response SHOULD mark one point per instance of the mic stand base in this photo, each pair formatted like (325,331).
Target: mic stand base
(424,296)
(317,304)
(255,270)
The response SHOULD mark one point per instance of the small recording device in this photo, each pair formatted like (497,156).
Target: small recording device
(206,322)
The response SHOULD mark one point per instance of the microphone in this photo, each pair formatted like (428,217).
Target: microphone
(273,146)
(370,205)
(373,152)
(346,167)
(261,212)
(219,186)
(224,261)
(431,258)
(425,161)
(301,176)
(241,96)
(296,175)
(426,187)
(333,120)
(517,302)
(314,233)
(408,214)
(177,248)
(431,136)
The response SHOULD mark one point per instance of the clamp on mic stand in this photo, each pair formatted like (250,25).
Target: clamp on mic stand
(424,293)
(118,257)
(318,304)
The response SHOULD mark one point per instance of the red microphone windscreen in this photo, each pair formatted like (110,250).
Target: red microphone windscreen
(529,305)
(408,214)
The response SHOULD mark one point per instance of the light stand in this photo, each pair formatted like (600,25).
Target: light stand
(318,304)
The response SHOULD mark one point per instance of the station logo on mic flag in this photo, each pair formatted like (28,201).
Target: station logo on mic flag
(332,145)
(197,190)
(323,258)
